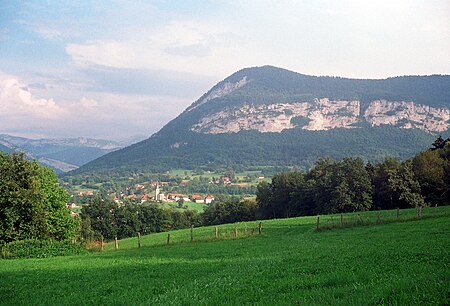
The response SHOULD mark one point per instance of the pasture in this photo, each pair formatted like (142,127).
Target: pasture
(290,263)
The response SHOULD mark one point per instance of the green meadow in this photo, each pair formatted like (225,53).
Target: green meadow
(405,262)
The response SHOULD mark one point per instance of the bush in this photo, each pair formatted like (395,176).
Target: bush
(33,248)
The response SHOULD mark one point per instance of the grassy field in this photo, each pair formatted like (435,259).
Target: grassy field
(291,263)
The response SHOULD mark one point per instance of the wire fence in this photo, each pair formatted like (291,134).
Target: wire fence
(192,235)
(326,222)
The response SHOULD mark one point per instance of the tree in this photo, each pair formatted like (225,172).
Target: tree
(395,185)
(341,186)
(32,205)
(101,212)
(180,203)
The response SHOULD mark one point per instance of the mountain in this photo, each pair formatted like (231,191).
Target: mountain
(60,154)
(268,116)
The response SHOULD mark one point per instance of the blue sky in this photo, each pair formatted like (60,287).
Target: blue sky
(113,69)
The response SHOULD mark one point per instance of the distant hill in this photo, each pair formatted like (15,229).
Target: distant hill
(268,116)
(60,154)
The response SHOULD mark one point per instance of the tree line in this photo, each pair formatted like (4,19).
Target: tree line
(352,185)
(33,205)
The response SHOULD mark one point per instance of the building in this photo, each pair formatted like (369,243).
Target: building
(209,199)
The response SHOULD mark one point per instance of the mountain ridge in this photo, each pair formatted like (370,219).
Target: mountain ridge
(180,145)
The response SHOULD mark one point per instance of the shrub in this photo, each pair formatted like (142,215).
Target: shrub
(33,248)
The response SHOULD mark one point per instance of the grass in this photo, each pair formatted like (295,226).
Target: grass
(291,263)
(190,205)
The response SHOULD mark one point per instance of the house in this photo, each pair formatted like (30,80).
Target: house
(260,177)
(72,205)
(226,180)
(74,214)
(145,198)
(184,183)
(200,200)
(131,196)
(139,186)
(89,193)
(177,197)
(160,197)
(209,199)
(116,199)
(195,197)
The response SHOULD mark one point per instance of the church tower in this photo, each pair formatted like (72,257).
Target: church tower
(157,192)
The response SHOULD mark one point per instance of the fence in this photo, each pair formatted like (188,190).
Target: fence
(376,217)
(192,235)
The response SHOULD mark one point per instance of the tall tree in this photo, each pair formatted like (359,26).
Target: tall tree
(32,205)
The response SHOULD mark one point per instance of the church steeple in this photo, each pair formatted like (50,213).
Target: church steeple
(157,191)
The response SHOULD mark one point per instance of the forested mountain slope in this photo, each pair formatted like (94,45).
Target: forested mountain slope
(270,116)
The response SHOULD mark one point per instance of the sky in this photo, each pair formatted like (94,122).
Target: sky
(120,68)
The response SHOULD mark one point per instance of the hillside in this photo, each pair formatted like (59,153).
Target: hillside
(60,154)
(402,263)
(270,116)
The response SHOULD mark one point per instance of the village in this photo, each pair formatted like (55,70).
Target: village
(150,192)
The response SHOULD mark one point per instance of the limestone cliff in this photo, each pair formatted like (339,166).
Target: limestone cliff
(323,114)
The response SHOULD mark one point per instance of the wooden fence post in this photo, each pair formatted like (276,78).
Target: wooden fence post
(192,233)
(435,209)
(318,221)
(168,238)
(235,232)
(217,232)
(398,212)
(342,219)
(116,243)
(260,228)
(420,211)
(101,243)
(139,239)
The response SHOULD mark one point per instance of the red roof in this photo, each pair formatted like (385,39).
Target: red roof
(210,197)
(196,196)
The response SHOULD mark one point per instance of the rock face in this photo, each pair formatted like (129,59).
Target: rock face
(408,115)
(222,91)
(323,114)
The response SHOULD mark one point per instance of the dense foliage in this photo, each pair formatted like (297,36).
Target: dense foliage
(32,205)
(34,248)
(104,217)
(350,185)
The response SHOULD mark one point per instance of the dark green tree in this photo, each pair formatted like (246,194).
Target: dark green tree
(102,212)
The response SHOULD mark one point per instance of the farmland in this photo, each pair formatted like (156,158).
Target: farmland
(392,263)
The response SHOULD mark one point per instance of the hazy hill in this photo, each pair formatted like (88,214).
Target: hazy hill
(270,116)
(60,154)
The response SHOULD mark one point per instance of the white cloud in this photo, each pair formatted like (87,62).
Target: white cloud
(48,32)
(16,101)
(104,115)
(105,53)
(183,46)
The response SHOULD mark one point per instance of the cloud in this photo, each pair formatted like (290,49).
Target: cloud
(16,101)
(96,114)
(145,82)
(104,53)
(48,32)
(179,46)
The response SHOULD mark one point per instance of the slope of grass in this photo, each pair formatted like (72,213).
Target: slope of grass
(291,263)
